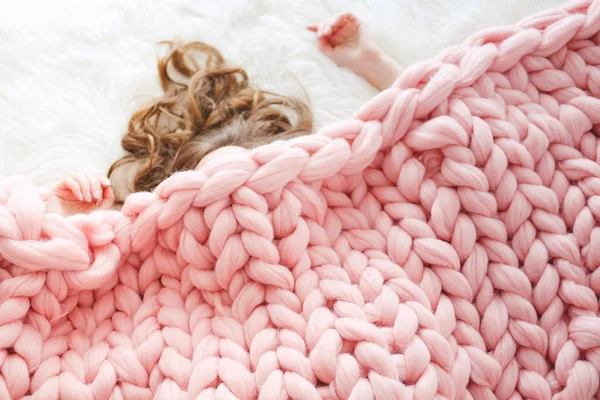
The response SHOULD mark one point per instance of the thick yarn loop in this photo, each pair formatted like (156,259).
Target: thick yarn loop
(444,244)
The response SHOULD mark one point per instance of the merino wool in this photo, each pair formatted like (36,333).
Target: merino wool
(443,244)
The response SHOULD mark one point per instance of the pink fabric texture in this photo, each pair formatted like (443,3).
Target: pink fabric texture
(444,244)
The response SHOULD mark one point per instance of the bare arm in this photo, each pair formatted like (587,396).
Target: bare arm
(347,41)
(380,71)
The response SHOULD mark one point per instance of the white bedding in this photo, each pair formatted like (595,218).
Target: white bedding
(73,71)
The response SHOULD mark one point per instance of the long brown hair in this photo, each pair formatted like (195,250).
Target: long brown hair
(210,106)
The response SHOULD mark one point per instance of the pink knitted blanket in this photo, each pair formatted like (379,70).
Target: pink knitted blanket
(444,244)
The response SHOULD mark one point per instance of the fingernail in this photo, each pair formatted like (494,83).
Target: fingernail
(97,194)
(88,197)
(106,181)
(80,196)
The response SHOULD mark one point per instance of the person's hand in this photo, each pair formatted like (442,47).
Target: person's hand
(347,42)
(80,194)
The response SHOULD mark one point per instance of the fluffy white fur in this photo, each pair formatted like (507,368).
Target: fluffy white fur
(73,71)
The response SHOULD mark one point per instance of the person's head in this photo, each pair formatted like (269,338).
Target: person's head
(206,106)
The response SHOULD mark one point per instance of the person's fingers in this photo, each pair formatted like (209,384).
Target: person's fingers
(95,188)
(340,21)
(71,186)
(348,18)
(324,45)
(108,198)
(85,187)
(334,24)
(332,28)
(325,28)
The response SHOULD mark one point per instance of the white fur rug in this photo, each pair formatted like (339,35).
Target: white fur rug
(73,71)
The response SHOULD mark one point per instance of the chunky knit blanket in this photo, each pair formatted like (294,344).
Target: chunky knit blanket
(444,244)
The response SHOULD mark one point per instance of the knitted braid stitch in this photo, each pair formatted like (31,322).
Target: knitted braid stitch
(444,244)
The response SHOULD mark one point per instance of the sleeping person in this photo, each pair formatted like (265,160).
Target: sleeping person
(212,106)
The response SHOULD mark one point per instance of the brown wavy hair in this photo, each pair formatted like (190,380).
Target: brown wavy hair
(209,105)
